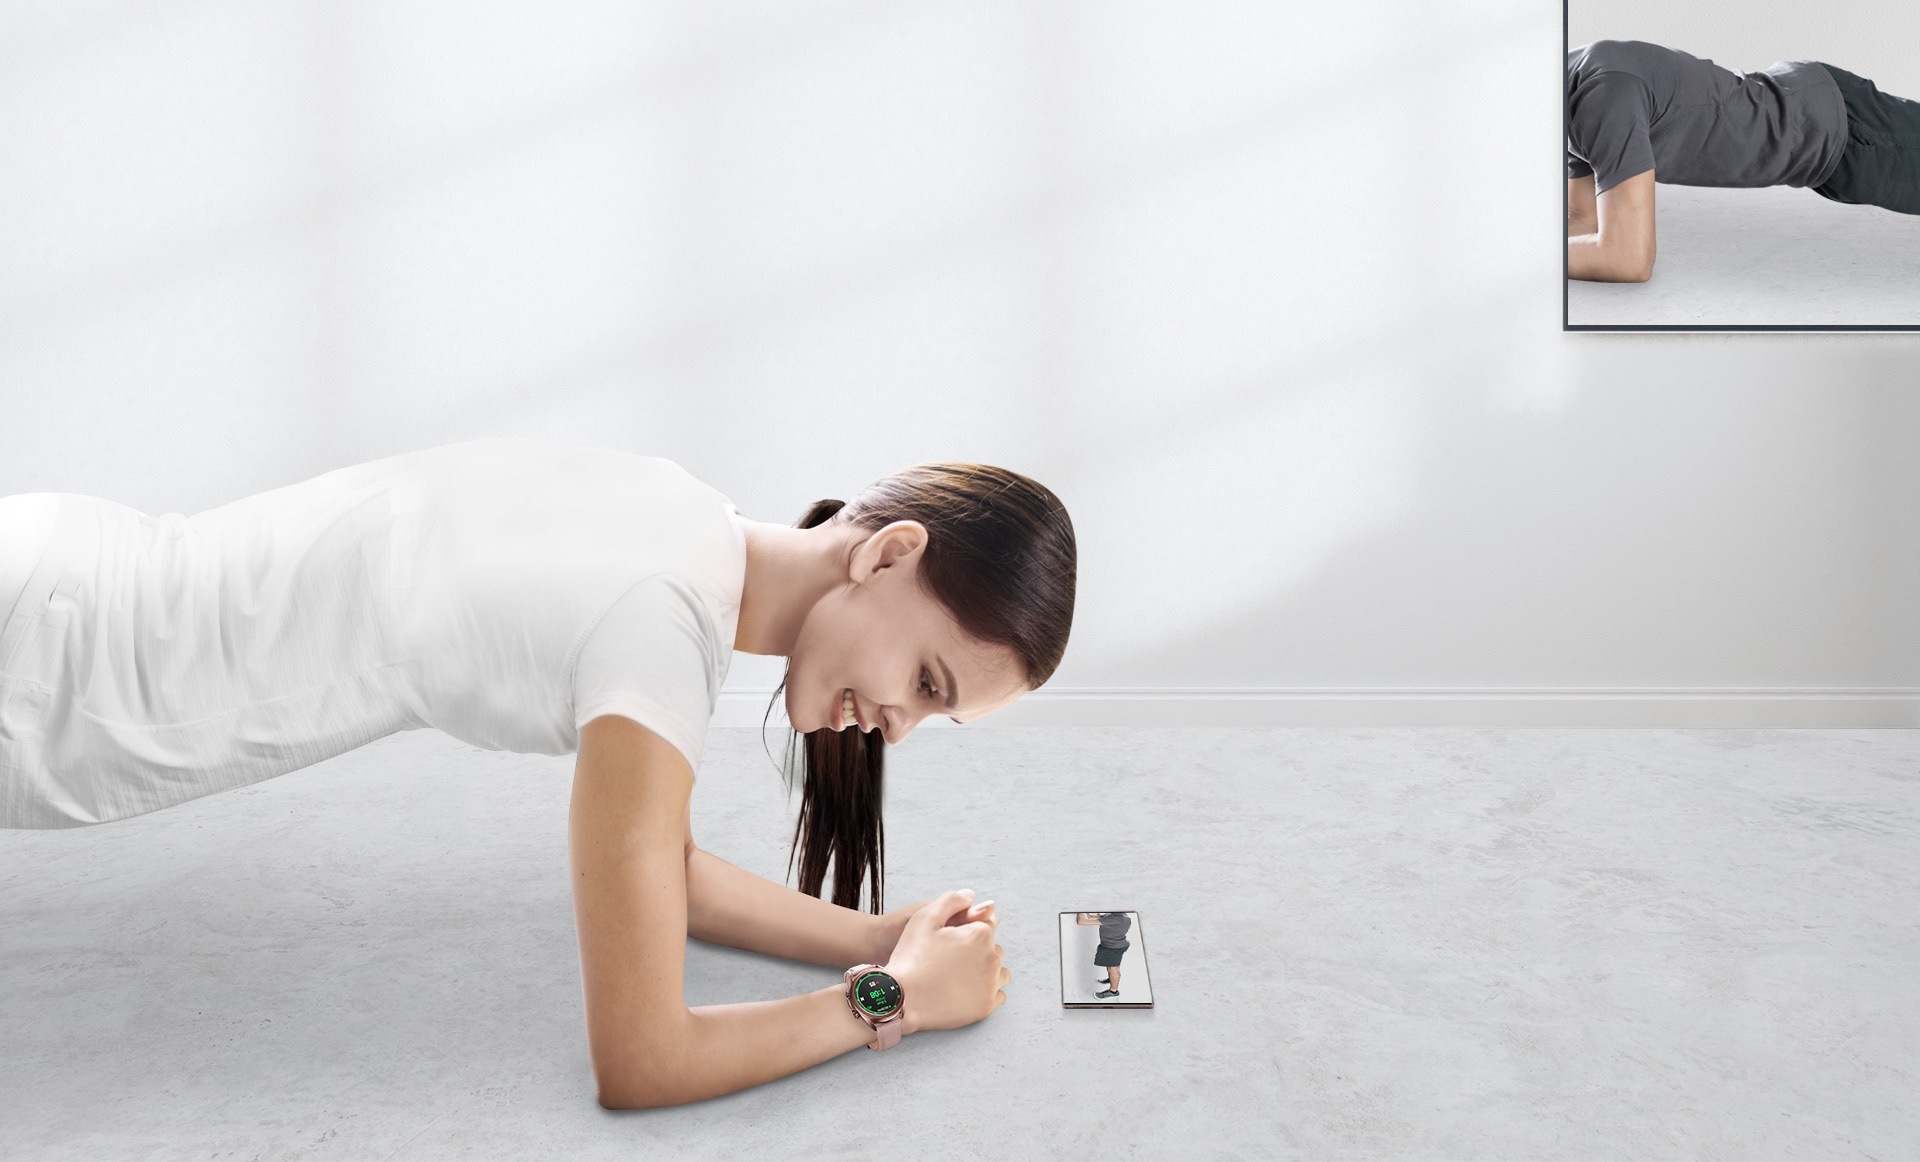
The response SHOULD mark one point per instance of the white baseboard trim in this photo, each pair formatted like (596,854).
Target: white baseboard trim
(1697,707)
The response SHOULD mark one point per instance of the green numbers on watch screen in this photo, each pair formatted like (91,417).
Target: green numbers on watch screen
(877,995)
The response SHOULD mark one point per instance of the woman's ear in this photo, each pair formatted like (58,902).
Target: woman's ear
(894,544)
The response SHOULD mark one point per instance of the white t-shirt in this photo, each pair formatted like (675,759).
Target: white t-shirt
(503,591)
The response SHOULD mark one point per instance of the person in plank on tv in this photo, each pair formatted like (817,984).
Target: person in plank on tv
(1640,113)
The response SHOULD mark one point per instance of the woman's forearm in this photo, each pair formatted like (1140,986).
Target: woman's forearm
(731,906)
(731,1047)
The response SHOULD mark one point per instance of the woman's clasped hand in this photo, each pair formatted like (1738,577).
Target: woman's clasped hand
(948,961)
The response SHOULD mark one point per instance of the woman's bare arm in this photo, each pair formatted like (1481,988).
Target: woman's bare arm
(731,906)
(1621,248)
(628,844)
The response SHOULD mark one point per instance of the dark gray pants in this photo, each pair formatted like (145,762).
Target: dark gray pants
(1881,164)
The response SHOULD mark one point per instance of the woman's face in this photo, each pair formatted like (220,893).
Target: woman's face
(880,646)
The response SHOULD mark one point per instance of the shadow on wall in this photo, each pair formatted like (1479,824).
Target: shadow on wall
(659,227)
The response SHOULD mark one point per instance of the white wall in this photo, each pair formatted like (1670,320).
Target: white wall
(1271,297)
(1877,39)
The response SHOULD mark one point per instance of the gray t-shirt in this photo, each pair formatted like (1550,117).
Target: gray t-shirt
(1634,107)
(1113,929)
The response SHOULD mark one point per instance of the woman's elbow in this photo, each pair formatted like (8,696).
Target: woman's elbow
(617,1092)
(643,1064)
(641,1082)
(615,1099)
(621,1098)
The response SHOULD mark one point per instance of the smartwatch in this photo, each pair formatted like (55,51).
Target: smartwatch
(875,997)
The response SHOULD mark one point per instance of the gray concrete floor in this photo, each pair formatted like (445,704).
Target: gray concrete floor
(1771,257)
(1366,944)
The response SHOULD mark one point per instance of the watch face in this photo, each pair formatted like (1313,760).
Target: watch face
(877,994)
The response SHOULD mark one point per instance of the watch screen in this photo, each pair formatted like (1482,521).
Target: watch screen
(877,993)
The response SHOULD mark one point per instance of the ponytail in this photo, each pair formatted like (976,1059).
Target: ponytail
(841,776)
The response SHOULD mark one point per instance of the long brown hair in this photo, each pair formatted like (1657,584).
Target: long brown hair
(1000,558)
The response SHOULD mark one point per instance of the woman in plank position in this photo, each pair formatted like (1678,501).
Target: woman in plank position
(553,599)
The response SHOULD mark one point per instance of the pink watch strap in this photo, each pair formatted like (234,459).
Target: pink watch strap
(888,1032)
